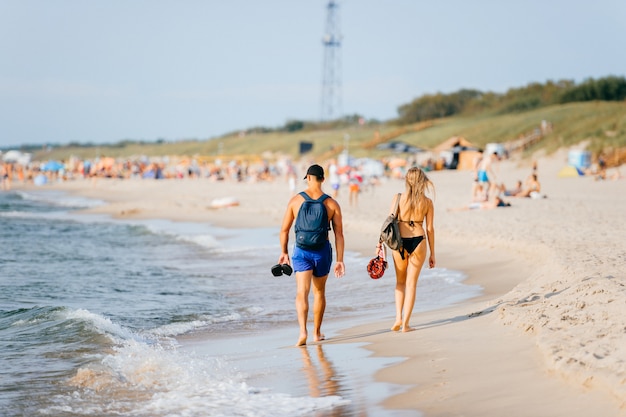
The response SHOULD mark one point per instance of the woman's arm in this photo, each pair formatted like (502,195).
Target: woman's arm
(337,222)
(430,232)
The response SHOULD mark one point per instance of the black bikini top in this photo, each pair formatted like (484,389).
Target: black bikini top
(411,222)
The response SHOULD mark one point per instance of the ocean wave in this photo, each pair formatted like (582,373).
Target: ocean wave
(104,325)
(60,199)
(148,379)
(65,324)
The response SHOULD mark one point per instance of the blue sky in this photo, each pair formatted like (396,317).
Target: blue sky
(104,71)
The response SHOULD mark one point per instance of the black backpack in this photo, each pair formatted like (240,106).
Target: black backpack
(312,223)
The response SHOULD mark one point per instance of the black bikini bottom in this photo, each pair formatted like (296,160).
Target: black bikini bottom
(411,243)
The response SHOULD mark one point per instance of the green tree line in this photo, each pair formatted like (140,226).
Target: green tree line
(529,97)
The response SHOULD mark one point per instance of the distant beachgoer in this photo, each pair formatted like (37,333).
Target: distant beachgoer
(334,178)
(480,193)
(354,185)
(476,185)
(291,178)
(494,202)
(486,175)
(5,175)
(312,264)
(532,188)
(414,208)
(601,168)
(511,191)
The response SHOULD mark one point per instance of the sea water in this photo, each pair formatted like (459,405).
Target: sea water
(100,317)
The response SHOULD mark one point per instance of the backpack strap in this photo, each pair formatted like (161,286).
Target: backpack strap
(396,211)
(308,198)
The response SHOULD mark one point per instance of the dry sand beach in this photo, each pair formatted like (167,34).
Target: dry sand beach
(546,338)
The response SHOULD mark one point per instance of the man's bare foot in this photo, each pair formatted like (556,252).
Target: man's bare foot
(396,326)
(407,329)
(302,340)
(319,337)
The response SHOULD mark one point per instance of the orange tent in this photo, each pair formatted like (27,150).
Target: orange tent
(453,142)
(464,152)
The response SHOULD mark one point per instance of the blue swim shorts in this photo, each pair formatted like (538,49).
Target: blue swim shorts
(482,176)
(318,260)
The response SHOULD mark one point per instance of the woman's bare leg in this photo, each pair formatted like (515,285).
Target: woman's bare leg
(409,300)
(400,291)
(416,261)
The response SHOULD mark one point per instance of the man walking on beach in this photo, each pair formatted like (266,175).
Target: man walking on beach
(314,212)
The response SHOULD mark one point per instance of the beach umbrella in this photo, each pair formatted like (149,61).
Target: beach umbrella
(52,166)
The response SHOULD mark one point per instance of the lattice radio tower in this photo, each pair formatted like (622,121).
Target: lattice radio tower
(331,72)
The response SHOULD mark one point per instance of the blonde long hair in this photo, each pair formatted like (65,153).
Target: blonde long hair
(417,184)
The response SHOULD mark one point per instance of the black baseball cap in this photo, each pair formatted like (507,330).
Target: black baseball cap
(315,170)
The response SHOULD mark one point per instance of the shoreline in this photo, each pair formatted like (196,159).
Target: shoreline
(545,337)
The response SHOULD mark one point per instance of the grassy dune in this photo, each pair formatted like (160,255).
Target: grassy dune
(603,124)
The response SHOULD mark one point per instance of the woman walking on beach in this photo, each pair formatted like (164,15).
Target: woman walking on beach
(414,209)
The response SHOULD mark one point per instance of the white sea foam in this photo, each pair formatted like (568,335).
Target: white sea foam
(150,379)
(60,199)
(220,239)
(175,329)
(31,215)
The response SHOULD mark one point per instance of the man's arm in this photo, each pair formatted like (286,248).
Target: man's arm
(337,222)
(288,219)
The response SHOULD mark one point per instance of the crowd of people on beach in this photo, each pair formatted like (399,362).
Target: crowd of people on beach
(489,193)
(353,178)
(134,168)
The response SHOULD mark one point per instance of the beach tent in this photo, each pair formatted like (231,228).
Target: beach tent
(570,171)
(460,151)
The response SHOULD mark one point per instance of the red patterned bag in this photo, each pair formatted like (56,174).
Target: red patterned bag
(376,266)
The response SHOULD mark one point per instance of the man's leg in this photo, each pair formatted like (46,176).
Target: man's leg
(319,305)
(303,287)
